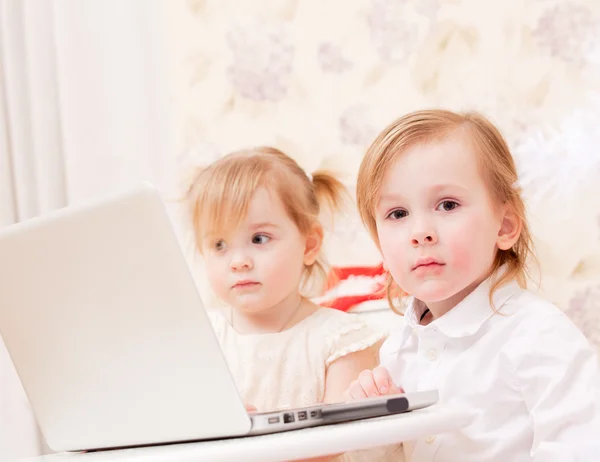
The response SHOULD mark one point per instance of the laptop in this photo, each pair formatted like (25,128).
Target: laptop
(104,324)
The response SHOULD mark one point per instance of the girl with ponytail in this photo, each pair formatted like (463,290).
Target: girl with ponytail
(255,216)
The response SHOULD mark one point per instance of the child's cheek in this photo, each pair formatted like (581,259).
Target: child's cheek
(216,278)
(392,252)
(396,262)
(461,259)
(460,252)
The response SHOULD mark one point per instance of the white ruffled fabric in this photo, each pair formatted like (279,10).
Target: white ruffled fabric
(287,369)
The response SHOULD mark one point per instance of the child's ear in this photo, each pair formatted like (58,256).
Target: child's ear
(314,241)
(510,229)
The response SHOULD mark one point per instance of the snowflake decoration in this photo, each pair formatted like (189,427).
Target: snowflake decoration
(355,128)
(393,36)
(262,62)
(331,59)
(569,32)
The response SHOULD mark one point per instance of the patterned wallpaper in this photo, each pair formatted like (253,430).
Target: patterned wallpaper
(319,79)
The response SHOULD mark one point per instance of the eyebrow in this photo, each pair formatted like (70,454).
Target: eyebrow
(435,189)
(264,224)
(261,225)
(389,197)
(441,187)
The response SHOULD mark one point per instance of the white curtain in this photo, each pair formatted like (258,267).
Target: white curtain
(84,111)
(31,155)
(32,175)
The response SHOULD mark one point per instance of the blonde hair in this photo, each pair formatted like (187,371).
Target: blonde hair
(219,196)
(496,162)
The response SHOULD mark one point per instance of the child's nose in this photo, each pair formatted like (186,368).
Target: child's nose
(423,238)
(241,262)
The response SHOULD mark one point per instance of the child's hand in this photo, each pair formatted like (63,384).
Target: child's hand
(377,382)
(250,408)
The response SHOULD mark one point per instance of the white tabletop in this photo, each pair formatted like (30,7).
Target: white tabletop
(311,442)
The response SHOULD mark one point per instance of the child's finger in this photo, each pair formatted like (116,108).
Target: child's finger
(383,380)
(355,391)
(385,383)
(367,382)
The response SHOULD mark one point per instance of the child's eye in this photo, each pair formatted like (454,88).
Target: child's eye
(397,214)
(447,206)
(260,239)
(220,245)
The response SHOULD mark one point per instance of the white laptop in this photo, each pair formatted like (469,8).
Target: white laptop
(105,326)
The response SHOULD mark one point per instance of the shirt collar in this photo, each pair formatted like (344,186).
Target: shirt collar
(469,315)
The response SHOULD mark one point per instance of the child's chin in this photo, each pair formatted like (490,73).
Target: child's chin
(248,305)
(433,292)
(250,308)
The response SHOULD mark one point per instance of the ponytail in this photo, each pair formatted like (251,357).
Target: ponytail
(329,191)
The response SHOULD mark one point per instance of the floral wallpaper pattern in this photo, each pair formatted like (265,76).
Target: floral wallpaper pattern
(320,79)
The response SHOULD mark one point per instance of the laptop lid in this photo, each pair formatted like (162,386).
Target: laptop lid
(104,324)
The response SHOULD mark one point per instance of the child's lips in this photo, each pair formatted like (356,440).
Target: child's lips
(245,284)
(427,262)
(428,269)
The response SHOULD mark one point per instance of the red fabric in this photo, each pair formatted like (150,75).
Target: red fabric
(346,302)
(342,273)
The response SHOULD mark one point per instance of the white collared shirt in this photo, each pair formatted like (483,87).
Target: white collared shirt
(528,374)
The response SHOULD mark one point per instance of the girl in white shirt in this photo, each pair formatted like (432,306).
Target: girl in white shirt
(255,215)
(438,193)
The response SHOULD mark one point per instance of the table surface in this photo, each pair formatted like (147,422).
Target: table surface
(298,444)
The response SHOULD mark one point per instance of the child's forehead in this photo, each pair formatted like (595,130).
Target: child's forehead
(434,164)
(265,201)
(264,210)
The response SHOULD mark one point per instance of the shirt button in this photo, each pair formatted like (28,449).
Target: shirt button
(432,355)
(430,439)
